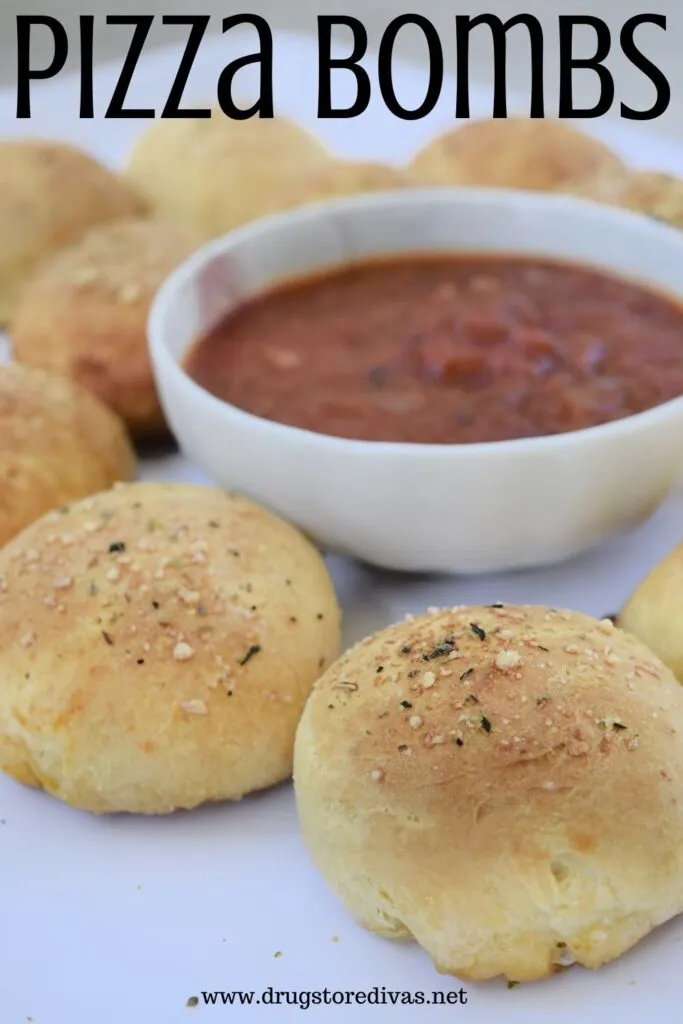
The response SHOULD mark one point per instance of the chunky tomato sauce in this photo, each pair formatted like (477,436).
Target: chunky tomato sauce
(447,349)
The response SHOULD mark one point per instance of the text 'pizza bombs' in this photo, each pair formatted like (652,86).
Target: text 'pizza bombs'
(503,784)
(157,645)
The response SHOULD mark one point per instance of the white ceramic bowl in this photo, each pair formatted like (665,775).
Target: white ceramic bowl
(452,508)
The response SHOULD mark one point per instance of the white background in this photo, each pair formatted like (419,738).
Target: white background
(120,920)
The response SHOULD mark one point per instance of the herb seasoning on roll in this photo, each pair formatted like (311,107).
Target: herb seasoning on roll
(508,791)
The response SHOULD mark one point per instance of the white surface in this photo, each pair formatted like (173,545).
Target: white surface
(437,508)
(120,920)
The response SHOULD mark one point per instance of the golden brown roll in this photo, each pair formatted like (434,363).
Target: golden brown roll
(604,187)
(517,152)
(338,179)
(157,645)
(215,174)
(84,314)
(503,784)
(654,612)
(50,194)
(649,192)
(57,443)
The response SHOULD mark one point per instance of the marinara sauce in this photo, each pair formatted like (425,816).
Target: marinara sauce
(447,349)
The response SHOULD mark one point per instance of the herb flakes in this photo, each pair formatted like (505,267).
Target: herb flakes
(485,724)
(612,723)
(192,1002)
(478,631)
(108,638)
(466,674)
(441,650)
(116,546)
(254,649)
(406,704)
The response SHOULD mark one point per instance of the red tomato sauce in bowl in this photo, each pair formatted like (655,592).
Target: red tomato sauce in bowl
(447,349)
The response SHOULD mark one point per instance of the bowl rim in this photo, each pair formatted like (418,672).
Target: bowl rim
(435,195)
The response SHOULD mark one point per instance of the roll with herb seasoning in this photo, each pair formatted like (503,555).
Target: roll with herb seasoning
(215,174)
(84,314)
(50,194)
(540,154)
(503,784)
(654,611)
(157,645)
(337,179)
(57,444)
(652,193)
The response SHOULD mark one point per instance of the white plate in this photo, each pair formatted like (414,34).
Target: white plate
(121,920)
